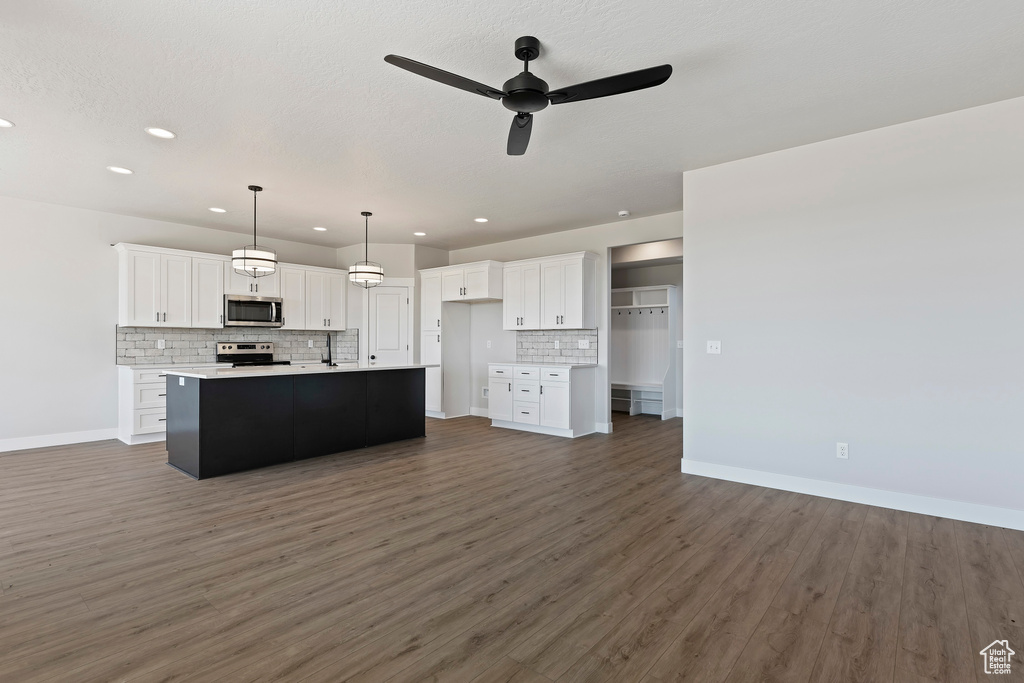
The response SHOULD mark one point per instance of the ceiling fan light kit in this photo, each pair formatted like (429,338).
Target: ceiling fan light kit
(254,260)
(526,93)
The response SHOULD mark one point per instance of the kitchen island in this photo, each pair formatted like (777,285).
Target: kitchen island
(224,420)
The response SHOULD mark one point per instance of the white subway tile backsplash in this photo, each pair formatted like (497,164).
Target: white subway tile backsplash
(538,346)
(136,346)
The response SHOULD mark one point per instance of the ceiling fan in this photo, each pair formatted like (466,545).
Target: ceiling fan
(526,93)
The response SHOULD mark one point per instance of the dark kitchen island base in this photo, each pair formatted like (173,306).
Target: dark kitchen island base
(224,424)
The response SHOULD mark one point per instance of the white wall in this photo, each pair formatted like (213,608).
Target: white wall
(659,275)
(57,340)
(597,239)
(869,290)
(485,325)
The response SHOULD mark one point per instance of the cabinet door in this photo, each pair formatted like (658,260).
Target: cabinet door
(143,289)
(430,301)
(452,283)
(552,295)
(176,291)
(512,297)
(269,285)
(555,405)
(337,290)
(572,294)
(236,283)
(293,298)
(476,282)
(430,353)
(499,399)
(317,304)
(207,292)
(531,297)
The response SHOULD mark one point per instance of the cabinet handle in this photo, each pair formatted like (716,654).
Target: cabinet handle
(221,318)
(439,322)
(525,391)
(161,394)
(158,316)
(328,322)
(283,319)
(541,389)
(523,412)
(510,386)
(161,419)
(438,337)
(165,317)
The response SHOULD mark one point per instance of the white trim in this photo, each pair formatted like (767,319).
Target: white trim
(603,427)
(46,440)
(679,412)
(479,412)
(434,414)
(538,429)
(908,502)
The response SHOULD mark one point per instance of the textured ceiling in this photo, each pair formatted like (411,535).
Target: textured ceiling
(295,95)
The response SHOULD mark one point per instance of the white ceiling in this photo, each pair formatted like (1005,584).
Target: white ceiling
(295,95)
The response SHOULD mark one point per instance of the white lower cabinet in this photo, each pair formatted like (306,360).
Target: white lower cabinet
(549,399)
(142,403)
(430,354)
(499,398)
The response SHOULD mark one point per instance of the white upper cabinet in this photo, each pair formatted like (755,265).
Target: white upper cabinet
(154,289)
(173,288)
(430,301)
(293,298)
(139,295)
(521,296)
(236,283)
(208,292)
(471,281)
(325,299)
(552,293)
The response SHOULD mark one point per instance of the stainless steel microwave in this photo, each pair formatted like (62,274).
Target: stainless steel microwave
(252,311)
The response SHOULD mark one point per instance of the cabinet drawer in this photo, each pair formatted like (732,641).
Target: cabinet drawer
(554,374)
(150,420)
(150,395)
(149,375)
(527,413)
(526,390)
(499,371)
(526,372)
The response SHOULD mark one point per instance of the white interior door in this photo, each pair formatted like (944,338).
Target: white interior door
(388,341)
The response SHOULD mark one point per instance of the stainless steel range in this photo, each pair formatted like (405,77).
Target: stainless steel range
(247,354)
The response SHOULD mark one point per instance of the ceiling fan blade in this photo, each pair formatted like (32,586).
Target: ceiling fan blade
(612,85)
(519,134)
(445,77)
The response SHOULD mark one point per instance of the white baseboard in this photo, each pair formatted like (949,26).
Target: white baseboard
(478,412)
(45,440)
(603,427)
(908,502)
(679,412)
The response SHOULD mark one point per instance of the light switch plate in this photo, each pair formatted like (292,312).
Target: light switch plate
(584,343)
(488,343)
(181,381)
(679,343)
(310,343)
(161,344)
(714,347)
(556,343)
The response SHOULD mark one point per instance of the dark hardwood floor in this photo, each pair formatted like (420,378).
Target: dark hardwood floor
(481,554)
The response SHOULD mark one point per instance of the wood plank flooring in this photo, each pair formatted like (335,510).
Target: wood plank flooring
(482,554)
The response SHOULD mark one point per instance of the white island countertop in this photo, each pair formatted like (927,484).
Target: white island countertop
(294,369)
(528,364)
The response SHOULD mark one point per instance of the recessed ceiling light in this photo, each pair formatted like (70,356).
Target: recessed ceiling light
(217,209)
(319,229)
(480,220)
(420,234)
(4,123)
(121,170)
(161,133)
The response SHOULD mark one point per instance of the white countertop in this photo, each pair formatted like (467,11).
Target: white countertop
(294,369)
(548,365)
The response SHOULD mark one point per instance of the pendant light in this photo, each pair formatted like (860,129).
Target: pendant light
(254,260)
(366,273)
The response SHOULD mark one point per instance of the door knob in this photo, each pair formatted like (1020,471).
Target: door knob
(372,357)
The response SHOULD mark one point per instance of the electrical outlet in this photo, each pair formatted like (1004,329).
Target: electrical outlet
(556,344)
(584,343)
(679,343)
(310,343)
(161,344)
(714,347)
(843,451)
(488,343)
(483,392)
